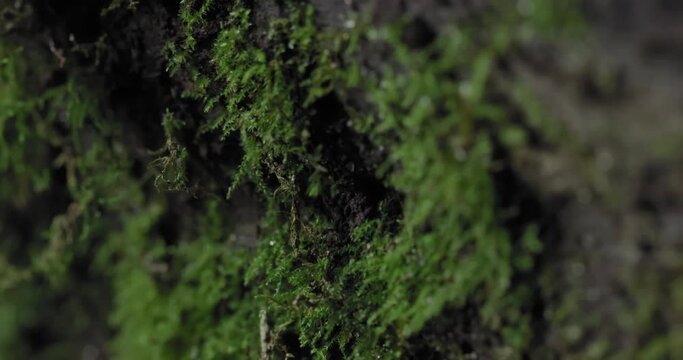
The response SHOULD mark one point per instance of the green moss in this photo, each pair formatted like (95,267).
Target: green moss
(435,241)
(206,313)
(172,158)
(389,280)
(393,281)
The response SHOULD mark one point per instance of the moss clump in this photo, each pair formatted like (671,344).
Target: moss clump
(394,273)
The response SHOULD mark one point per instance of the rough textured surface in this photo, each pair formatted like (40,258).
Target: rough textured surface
(340,179)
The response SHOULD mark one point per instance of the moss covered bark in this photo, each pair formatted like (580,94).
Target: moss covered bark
(331,180)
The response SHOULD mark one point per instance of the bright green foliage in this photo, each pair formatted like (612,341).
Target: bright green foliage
(206,314)
(450,245)
(256,99)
